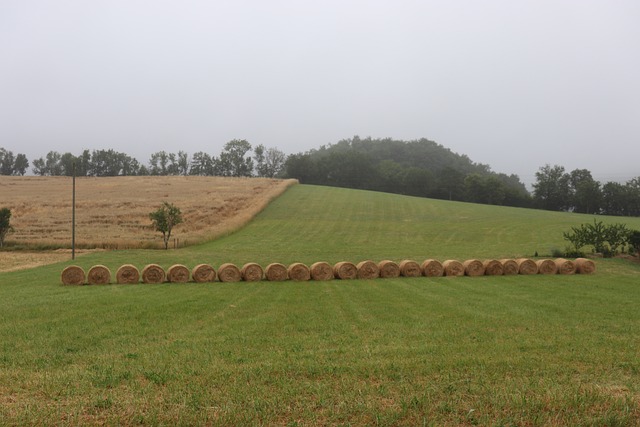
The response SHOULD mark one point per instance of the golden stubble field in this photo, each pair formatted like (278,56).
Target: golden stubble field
(113,212)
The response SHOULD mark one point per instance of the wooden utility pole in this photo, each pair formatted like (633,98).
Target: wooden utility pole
(73,215)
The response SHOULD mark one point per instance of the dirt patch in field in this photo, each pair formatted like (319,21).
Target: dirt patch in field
(113,212)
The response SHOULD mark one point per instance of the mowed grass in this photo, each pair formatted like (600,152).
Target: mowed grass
(511,350)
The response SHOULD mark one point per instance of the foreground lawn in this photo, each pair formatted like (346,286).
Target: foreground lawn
(511,350)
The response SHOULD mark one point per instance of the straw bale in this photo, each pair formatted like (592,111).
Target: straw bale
(388,269)
(527,266)
(321,271)
(299,272)
(276,272)
(345,270)
(153,273)
(99,275)
(128,274)
(473,267)
(547,266)
(178,273)
(565,266)
(229,272)
(368,270)
(432,268)
(73,275)
(509,266)
(410,268)
(252,272)
(493,267)
(585,266)
(453,268)
(203,273)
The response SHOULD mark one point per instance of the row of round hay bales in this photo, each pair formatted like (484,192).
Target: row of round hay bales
(524,266)
(322,271)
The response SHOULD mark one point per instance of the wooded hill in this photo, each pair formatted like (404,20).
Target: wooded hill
(417,168)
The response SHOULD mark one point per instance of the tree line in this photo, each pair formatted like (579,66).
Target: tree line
(577,191)
(238,158)
(418,168)
(427,169)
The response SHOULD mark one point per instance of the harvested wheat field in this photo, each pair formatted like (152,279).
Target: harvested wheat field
(113,212)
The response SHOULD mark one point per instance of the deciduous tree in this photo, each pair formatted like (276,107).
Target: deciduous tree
(201,164)
(164,219)
(586,193)
(7,161)
(21,165)
(232,160)
(551,190)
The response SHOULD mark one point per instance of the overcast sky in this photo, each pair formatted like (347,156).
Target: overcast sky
(513,84)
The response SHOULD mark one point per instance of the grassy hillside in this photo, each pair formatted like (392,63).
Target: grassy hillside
(312,223)
(511,350)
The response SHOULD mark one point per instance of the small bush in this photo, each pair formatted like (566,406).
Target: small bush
(606,239)
(634,242)
(570,252)
(5,225)
(557,253)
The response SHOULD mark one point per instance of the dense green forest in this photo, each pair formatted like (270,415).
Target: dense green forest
(421,168)
(417,168)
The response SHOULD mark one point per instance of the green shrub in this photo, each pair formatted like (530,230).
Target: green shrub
(634,241)
(607,239)
(5,224)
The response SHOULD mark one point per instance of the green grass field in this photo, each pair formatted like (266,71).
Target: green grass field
(510,350)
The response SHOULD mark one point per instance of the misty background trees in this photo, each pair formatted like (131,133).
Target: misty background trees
(420,168)
(11,164)
(416,168)
(238,158)
(577,191)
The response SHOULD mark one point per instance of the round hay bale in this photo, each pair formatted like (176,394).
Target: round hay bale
(127,274)
(453,268)
(409,268)
(473,267)
(252,272)
(72,275)
(153,273)
(565,266)
(321,271)
(299,272)
(368,270)
(546,266)
(509,266)
(527,266)
(585,266)
(99,275)
(178,273)
(432,268)
(388,269)
(202,273)
(345,270)
(493,267)
(228,272)
(276,272)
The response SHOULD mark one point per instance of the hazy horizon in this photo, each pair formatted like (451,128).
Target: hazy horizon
(515,85)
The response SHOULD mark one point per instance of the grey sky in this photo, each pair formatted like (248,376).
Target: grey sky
(514,84)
